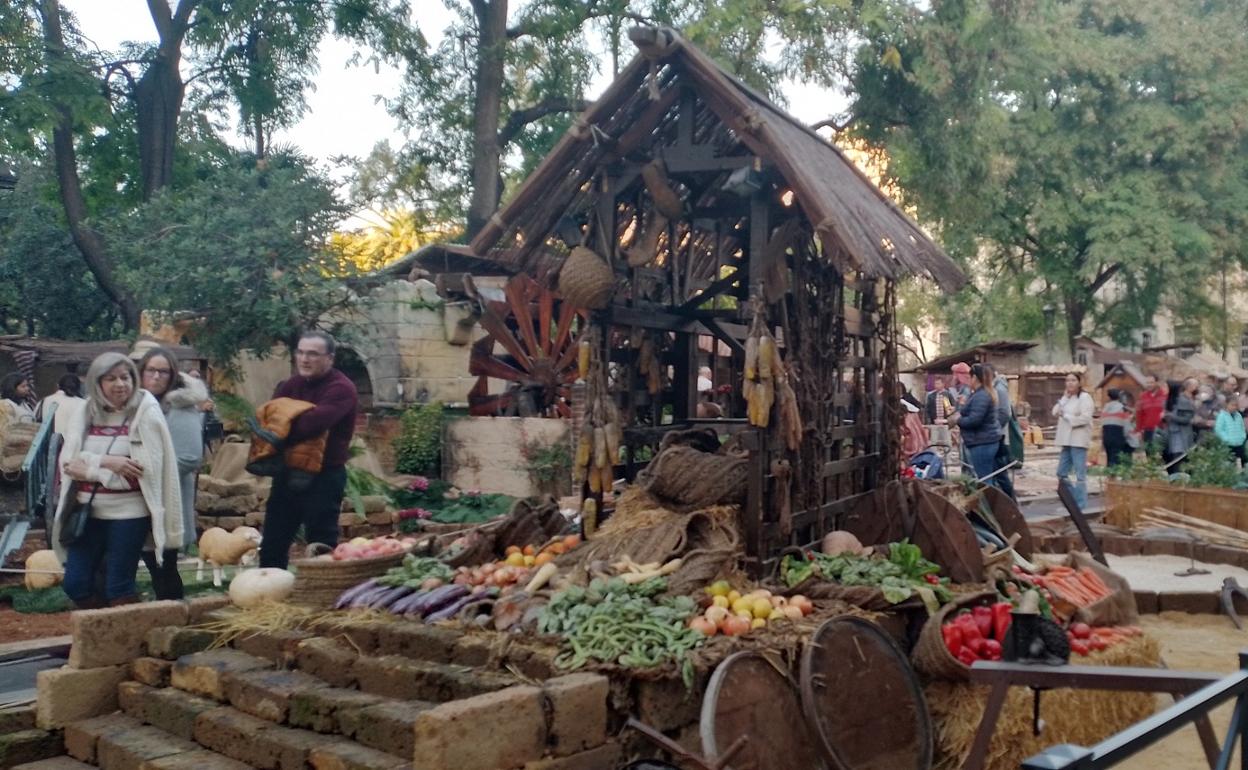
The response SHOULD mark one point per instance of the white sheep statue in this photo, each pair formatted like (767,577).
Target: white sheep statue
(221,549)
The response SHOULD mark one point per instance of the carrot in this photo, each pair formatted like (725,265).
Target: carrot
(1096,579)
(1067,588)
(1060,570)
(1096,589)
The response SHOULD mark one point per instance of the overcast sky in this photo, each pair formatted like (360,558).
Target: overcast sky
(344,116)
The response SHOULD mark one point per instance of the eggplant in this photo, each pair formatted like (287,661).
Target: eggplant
(437,598)
(350,594)
(448,611)
(363,600)
(390,597)
(403,605)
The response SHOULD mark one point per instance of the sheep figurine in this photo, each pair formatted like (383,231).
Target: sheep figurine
(220,549)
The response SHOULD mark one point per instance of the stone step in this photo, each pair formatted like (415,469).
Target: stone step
(56,763)
(379,736)
(29,745)
(121,742)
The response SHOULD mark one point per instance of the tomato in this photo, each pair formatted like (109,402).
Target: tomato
(1079,647)
(976,646)
(966,657)
(1096,643)
(992,649)
(1080,630)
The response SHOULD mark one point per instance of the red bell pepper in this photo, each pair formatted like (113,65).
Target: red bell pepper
(966,657)
(970,629)
(977,646)
(1001,620)
(992,649)
(953,638)
(983,621)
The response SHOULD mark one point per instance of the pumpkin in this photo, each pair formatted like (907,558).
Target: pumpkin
(839,541)
(42,562)
(252,587)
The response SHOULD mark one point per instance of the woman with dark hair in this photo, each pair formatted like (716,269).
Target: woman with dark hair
(1074,434)
(977,421)
(68,393)
(180,398)
(120,457)
(1115,424)
(1180,414)
(15,396)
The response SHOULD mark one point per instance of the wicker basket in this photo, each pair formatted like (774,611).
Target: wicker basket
(687,479)
(930,656)
(666,199)
(319,582)
(586,280)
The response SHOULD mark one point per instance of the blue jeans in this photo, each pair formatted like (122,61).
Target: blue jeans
(116,545)
(1075,458)
(983,459)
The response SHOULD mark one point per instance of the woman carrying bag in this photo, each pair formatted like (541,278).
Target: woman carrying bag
(119,486)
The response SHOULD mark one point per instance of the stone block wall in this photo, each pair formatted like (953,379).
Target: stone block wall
(489,453)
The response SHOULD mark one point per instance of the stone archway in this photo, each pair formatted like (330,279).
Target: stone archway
(350,363)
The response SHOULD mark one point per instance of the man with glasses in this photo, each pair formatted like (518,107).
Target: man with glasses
(316,507)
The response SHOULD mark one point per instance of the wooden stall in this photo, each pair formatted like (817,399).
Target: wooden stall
(713,212)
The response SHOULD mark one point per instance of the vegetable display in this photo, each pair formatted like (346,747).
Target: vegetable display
(977,633)
(732,613)
(440,602)
(417,572)
(900,575)
(1085,639)
(1081,587)
(370,547)
(612,621)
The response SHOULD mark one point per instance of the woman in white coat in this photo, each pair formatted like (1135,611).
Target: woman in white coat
(119,460)
(1074,435)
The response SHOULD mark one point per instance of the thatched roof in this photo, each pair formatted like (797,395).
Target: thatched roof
(859,226)
(61,352)
(975,354)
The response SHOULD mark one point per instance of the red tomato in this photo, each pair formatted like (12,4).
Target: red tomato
(1079,647)
(1096,643)
(1080,630)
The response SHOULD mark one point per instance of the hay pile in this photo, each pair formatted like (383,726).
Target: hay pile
(1082,717)
(15,440)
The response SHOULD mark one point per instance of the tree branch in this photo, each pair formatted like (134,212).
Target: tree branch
(521,118)
(1103,278)
(832,123)
(162,18)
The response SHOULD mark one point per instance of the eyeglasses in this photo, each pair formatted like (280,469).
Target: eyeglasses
(159,372)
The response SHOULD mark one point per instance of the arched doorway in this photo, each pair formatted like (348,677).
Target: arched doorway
(349,363)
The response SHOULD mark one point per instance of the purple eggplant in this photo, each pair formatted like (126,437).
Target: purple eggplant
(448,611)
(350,594)
(390,597)
(368,597)
(437,599)
(402,605)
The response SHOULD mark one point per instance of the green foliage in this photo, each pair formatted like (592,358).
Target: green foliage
(1144,466)
(361,484)
(418,449)
(244,249)
(548,464)
(1211,464)
(1079,152)
(234,411)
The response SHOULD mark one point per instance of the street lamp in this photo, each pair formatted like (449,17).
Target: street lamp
(1050,317)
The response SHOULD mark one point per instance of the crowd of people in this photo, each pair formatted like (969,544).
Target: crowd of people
(133,442)
(1170,416)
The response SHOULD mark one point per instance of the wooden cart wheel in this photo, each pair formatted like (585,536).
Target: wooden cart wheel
(863,699)
(530,344)
(749,697)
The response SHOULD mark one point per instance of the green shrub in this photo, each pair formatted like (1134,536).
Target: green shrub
(418,449)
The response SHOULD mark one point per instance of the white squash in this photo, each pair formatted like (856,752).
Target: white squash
(255,586)
(39,565)
(839,541)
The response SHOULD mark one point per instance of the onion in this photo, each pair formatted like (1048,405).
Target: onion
(703,626)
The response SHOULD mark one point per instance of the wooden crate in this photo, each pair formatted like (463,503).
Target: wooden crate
(1126,500)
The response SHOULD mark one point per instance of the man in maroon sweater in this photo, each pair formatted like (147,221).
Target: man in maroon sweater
(316,507)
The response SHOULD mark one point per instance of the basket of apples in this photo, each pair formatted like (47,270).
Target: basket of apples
(328,571)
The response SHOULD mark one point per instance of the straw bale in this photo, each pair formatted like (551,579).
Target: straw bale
(1082,717)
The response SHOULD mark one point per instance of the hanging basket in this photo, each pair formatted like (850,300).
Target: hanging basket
(930,655)
(586,280)
(666,199)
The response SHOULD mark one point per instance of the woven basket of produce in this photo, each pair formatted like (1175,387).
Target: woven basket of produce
(586,280)
(692,479)
(930,656)
(320,581)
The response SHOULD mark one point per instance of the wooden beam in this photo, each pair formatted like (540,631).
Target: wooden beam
(716,328)
(715,289)
(849,465)
(648,318)
(699,162)
(759,211)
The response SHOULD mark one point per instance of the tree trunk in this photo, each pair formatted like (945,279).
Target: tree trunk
(1076,311)
(158,98)
(65,158)
(487,110)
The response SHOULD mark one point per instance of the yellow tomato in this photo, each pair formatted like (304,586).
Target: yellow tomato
(742,605)
(733,596)
(515,559)
(761,608)
(721,601)
(757,623)
(719,588)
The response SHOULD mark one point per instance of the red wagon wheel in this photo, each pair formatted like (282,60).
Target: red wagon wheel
(530,344)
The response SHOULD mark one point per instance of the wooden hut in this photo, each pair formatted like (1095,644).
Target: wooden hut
(712,211)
